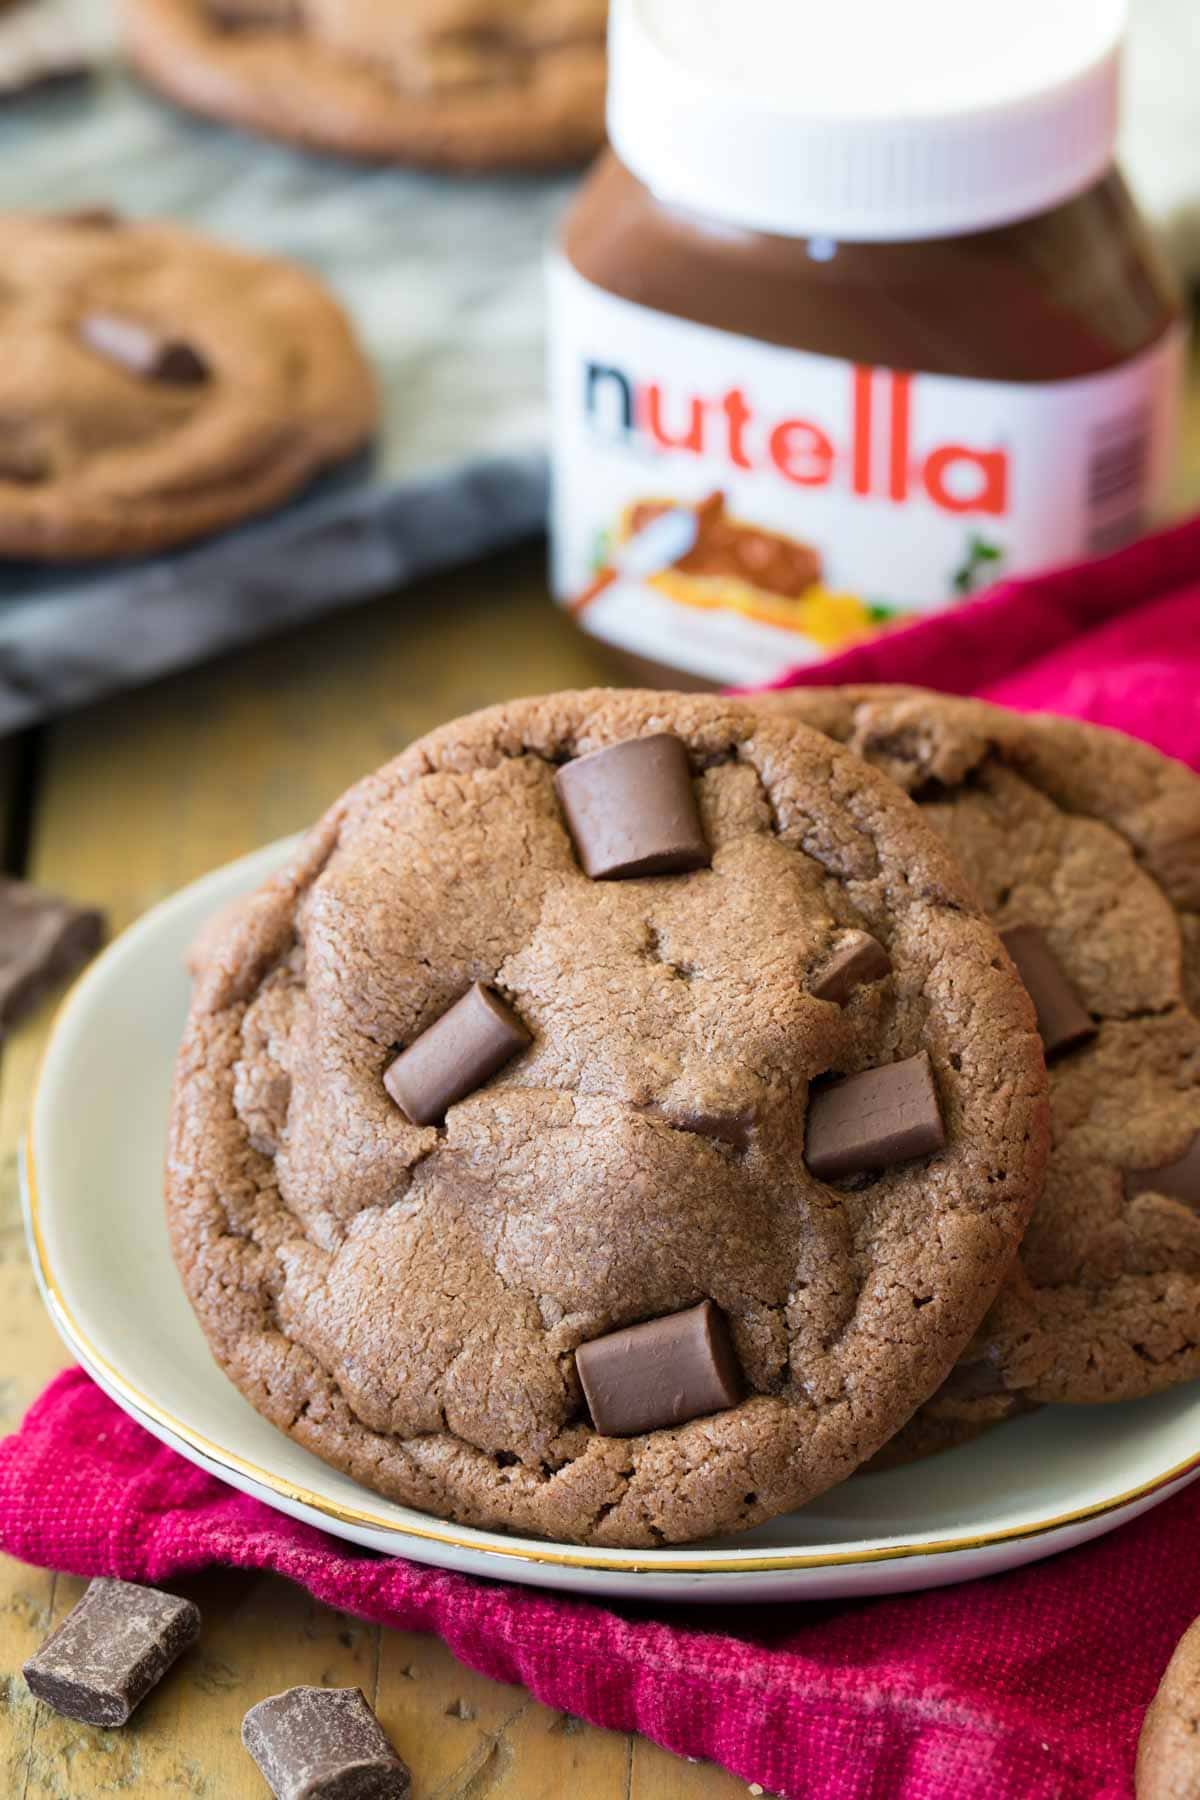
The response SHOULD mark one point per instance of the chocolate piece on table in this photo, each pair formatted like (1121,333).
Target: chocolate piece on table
(661,1373)
(43,939)
(873,1120)
(315,1743)
(1063,1023)
(110,1650)
(455,1055)
(857,959)
(143,351)
(631,809)
(1178,1180)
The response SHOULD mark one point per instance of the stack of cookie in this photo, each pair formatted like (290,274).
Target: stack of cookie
(631,1113)
(1084,848)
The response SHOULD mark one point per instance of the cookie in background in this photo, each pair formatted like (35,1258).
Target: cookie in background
(464,84)
(159,386)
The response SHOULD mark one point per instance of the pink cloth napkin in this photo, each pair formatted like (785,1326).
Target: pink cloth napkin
(1115,641)
(1028,1686)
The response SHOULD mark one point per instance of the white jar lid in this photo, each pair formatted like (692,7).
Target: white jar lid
(865,120)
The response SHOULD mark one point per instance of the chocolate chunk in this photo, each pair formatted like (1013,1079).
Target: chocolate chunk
(110,1650)
(979,1378)
(20,461)
(91,218)
(661,1373)
(1179,1180)
(43,939)
(315,1743)
(1061,1019)
(858,958)
(143,351)
(631,809)
(456,1055)
(253,15)
(735,1128)
(874,1120)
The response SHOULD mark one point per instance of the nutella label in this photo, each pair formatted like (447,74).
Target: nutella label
(731,508)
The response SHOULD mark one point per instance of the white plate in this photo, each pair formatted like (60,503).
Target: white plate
(94,1211)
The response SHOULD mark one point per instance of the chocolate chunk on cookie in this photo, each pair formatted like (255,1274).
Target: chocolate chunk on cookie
(735,1128)
(1085,848)
(591,1289)
(874,1120)
(455,1055)
(1063,1023)
(631,810)
(856,960)
(482,84)
(663,1372)
(142,350)
(1179,1178)
(158,386)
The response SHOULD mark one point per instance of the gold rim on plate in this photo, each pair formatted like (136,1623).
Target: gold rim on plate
(724,1563)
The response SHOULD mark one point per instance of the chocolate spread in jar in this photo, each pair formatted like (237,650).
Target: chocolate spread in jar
(890,422)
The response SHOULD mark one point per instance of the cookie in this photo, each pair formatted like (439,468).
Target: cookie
(1084,846)
(937,1427)
(974,1397)
(159,386)
(459,84)
(598,1292)
(1168,1753)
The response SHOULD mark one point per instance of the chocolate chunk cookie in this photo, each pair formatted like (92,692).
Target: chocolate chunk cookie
(1084,846)
(600,1293)
(158,386)
(478,84)
(1168,1754)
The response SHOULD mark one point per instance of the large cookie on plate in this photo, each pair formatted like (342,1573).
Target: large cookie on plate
(478,84)
(158,386)
(600,1249)
(1085,844)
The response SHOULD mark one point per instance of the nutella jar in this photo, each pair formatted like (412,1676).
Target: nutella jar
(856,317)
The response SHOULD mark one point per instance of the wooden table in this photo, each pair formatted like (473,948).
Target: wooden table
(120,805)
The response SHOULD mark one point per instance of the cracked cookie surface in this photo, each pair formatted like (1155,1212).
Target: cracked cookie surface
(407,1301)
(159,386)
(457,83)
(1095,839)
